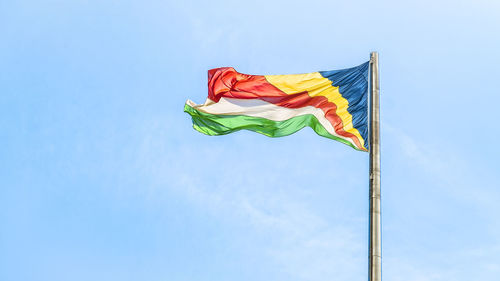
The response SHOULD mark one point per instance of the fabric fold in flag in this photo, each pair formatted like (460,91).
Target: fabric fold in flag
(333,103)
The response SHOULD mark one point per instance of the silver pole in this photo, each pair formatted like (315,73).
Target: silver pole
(375,247)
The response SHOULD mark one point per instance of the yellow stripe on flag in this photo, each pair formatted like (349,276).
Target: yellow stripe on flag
(316,85)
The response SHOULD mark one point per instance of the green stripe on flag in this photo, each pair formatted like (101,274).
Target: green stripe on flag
(214,125)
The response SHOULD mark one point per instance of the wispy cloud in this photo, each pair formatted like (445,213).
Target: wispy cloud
(455,179)
(454,172)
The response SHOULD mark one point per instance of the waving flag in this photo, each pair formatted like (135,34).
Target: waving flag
(332,103)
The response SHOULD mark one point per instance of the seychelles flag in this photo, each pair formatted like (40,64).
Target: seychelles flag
(333,103)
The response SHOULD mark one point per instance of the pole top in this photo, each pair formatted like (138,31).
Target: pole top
(373,56)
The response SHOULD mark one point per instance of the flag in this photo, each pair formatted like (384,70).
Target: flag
(333,103)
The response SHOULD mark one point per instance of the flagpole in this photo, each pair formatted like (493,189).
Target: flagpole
(375,247)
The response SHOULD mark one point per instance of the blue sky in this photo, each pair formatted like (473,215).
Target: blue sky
(103,177)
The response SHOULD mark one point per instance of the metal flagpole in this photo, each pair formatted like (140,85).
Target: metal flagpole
(375,247)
